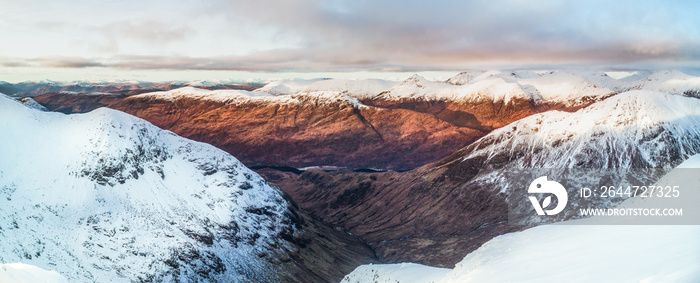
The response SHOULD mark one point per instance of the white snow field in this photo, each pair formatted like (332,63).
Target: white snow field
(24,273)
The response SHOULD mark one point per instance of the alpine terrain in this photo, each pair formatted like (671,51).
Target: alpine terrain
(439,212)
(108,197)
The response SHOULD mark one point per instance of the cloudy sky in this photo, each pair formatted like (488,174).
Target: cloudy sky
(87,36)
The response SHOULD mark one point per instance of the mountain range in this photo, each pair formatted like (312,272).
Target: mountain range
(343,123)
(352,171)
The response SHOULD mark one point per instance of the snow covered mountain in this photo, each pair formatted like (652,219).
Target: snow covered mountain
(636,129)
(562,88)
(238,97)
(105,196)
(565,88)
(469,86)
(578,252)
(465,77)
(356,88)
(673,82)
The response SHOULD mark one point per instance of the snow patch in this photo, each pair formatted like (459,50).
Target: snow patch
(392,273)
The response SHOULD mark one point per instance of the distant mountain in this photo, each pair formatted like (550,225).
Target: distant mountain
(32,89)
(360,89)
(489,100)
(673,82)
(106,196)
(465,77)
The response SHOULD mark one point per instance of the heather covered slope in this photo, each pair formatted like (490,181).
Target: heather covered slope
(105,196)
(300,130)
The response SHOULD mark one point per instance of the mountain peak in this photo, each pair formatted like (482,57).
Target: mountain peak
(464,77)
(416,80)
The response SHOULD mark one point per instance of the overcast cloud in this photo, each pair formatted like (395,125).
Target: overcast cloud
(338,35)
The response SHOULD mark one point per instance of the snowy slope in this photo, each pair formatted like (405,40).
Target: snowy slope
(356,88)
(256,97)
(106,196)
(566,88)
(465,77)
(226,95)
(582,253)
(565,253)
(673,82)
(637,129)
(282,87)
(490,88)
(585,252)
(578,252)
(24,273)
(418,87)
(392,273)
